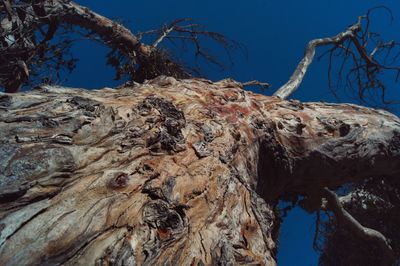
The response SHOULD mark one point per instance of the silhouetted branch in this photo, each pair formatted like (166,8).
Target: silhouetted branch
(316,233)
(24,21)
(186,32)
(346,219)
(367,54)
(298,75)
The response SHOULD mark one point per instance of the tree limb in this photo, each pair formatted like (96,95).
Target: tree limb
(329,145)
(297,77)
(114,34)
(317,230)
(364,56)
(347,220)
(128,55)
(263,85)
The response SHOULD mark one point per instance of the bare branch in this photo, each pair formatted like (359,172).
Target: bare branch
(317,230)
(114,34)
(347,220)
(165,33)
(263,85)
(365,56)
(167,30)
(129,56)
(298,75)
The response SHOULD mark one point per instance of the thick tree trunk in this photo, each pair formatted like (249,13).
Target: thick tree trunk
(171,172)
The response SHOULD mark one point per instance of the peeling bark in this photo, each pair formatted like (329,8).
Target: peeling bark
(177,172)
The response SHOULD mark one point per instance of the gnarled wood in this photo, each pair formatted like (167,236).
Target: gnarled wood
(170,172)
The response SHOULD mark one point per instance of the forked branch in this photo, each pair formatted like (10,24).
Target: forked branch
(365,55)
(297,77)
(25,22)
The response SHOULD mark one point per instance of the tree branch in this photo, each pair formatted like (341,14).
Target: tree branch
(297,77)
(128,55)
(329,145)
(346,219)
(114,34)
(263,85)
(364,56)
(31,44)
(317,230)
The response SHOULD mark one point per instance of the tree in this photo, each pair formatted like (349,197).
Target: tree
(182,170)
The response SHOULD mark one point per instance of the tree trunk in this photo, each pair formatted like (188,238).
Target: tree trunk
(171,172)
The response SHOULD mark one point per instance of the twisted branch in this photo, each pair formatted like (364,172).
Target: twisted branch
(347,220)
(297,77)
(365,55)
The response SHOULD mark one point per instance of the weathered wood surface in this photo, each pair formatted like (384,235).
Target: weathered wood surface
(170,172)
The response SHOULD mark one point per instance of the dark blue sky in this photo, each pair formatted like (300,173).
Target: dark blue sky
(274,33)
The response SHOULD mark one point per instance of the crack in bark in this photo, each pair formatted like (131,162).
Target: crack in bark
(203,247)
(227,201)
(22,225)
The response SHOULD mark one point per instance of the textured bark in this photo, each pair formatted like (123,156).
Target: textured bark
(171,172)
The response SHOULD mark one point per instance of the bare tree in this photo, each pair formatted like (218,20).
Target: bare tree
(182,170)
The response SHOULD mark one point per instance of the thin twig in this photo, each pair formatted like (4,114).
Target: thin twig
(263,85)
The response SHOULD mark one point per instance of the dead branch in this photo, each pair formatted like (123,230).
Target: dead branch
(114,34)
(18,42)
(297,77)
(32,17)
(317,230)
(346,219)
(263,85)
(364,57)
(129,56)
(186,32)
(165,31)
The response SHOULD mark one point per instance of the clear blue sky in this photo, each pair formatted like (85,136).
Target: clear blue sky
(275,33)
